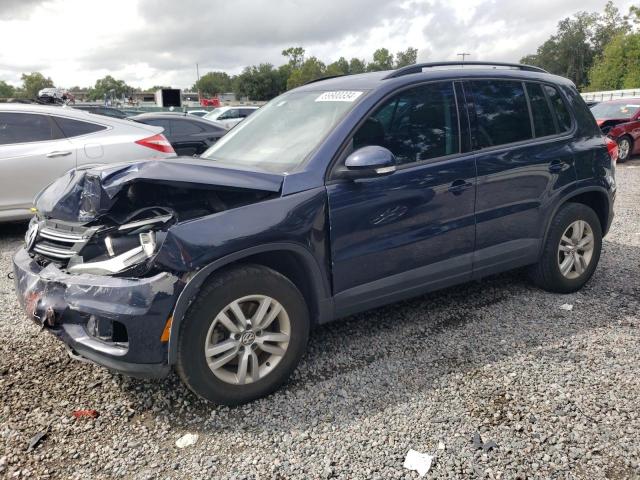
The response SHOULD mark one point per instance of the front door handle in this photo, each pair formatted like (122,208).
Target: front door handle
(57,154)
(557,166)
(459,186)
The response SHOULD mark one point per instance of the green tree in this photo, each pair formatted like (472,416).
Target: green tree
(311,69)
(357,66)
(109,86)
(619,65)
(408,57)
(295,56)
(262,82)
(6,90)
(339,67)
(382,60)
(213,83)
(579,40)
(32,83)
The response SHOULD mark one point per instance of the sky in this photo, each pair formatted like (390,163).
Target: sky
(159,42)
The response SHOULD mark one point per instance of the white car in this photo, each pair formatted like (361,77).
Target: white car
(40,143)
(230,116)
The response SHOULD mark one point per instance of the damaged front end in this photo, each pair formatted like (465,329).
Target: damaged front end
(88,270)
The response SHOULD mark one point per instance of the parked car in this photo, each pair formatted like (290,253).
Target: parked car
(620,120)
(188,135)
(197,113)
(40,143)
(336,197)
(102,110)
(230,116)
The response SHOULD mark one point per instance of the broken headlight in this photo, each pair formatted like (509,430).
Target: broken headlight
(123,254)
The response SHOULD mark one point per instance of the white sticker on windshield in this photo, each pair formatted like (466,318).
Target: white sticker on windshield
(339,96)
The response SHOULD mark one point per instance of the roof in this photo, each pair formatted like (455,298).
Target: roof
(374,80)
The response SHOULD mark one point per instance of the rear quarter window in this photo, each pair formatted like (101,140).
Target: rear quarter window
(559,107)
(75,128)
(25,128)
(502,114)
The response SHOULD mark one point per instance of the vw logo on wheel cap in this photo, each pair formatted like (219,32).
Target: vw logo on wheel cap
(247,337)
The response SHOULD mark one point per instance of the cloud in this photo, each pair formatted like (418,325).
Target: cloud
(18,9)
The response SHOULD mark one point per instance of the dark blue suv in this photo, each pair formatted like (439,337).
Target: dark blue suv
(336,197)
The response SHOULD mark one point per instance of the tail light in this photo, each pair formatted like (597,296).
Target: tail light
(157,142)
(612,148)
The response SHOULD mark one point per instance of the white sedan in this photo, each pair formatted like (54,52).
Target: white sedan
(40,143)
(230,116)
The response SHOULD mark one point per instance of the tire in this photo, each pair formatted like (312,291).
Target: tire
(626,139)
(205,327)
(547,273)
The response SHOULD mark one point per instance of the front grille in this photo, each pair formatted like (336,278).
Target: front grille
(59,241)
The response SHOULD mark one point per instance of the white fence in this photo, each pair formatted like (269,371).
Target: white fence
(611,95)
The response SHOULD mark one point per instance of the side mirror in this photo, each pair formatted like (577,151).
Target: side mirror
(368,162)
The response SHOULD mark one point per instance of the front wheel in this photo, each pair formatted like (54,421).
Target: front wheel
(571,251)
(243,335)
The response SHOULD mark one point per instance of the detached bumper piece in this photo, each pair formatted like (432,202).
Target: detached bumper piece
(114,322)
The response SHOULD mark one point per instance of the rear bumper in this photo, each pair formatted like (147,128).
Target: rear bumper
(84,311)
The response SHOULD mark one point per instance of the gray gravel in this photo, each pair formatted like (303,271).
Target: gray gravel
(556,390)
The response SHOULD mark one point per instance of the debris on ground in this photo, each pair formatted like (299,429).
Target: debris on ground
(86,414)
(37,438)
(479,444)
(567,306)
(420,462)
(187,440)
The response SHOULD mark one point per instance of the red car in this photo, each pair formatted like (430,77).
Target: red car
(620,120)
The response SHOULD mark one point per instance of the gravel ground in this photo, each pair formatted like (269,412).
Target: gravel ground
(556,390)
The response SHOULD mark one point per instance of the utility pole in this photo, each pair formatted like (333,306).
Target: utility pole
(197,72)
(463,55)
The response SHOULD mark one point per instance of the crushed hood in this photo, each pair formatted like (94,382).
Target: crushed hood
(83,195)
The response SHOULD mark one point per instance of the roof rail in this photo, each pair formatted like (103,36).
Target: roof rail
(417,68)
(323,78)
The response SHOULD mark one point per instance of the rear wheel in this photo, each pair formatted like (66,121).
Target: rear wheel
(571,251)
(625,145)
(243,336)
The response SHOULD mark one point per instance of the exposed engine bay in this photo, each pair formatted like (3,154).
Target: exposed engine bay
(112,220)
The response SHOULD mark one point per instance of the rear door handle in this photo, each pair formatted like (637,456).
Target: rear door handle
(558,166)
(459,186)
(57,154)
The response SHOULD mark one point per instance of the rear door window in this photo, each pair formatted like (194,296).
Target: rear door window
(25,128)
(229,114)
(74,128)
(502,114)
(417,124)
(562,114)
(543,121)
(160,122)
(185,127)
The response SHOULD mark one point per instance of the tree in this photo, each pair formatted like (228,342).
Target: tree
(357,66)
(408,57)
(619,65)
(109,86)
(382,60)
(311,69)
(295,56)
(339,67)
(32,83)
(213,83)
(262,82)
(579,40)
(6,90)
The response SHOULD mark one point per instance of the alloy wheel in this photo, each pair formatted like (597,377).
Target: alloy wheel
(247,339)
(576,249)
(624,148)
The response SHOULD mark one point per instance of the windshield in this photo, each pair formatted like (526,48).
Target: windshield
(279,136)
(615,110)
(213,114)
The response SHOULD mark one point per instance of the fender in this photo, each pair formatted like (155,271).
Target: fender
(319,281)
(568,196)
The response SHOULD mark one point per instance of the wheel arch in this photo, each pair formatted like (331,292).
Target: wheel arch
(291,260)
(594,197)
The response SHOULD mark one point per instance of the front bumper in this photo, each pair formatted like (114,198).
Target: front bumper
(70,306)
